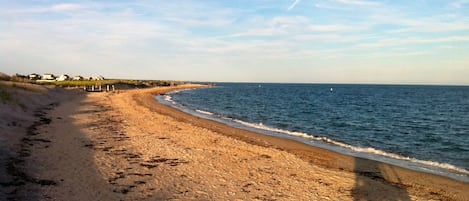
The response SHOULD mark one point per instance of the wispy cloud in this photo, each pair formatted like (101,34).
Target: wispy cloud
(335,28)
(396,42)
(347,4)
(359,3)
(458,4)
(65,7)
(293,4)
(235,39)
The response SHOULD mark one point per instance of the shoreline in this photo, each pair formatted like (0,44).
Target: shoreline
(454,173)
(127,146)
(316,155)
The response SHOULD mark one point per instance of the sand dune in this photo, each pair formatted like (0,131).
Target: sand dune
(70,145)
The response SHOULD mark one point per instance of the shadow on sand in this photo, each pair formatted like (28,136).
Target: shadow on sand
(371,184)
(57,160)
(16,174)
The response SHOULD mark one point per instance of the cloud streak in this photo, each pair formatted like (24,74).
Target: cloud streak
(358,2)
(65,7)
(293,4)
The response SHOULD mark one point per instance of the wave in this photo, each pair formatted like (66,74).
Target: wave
(204,112)
(367,150)
(169,99)
(356,149)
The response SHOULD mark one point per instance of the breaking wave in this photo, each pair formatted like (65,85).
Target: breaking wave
(367,150)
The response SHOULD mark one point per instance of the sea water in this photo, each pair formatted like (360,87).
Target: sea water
(424,128)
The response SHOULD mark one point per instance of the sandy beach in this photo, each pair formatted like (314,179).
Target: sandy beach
(71,145)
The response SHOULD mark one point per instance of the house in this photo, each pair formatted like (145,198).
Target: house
(63,77)
(48,76)
(99,77)
(34,76)
(78,77)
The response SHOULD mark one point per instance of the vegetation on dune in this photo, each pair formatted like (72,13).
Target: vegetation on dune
(5,96)
(130,83)
(4,76)
(8,94)
(25,87)
(118,83)
(71,83)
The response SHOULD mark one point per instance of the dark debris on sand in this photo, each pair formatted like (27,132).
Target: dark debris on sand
(16,164)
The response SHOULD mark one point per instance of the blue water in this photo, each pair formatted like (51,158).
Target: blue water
(425,126)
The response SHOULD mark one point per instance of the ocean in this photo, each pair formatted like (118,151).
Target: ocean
(425,128)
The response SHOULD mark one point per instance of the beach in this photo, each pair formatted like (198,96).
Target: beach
(126,146)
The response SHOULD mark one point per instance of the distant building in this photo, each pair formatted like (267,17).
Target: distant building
(63,77)
(48,76)
(99,77)
(34,76)
(78,77)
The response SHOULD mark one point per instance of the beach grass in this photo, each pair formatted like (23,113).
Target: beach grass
(26,86)
(133,83)
(83,82)
(126,83)
(5,96)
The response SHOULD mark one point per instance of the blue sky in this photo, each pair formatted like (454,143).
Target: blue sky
(313,41)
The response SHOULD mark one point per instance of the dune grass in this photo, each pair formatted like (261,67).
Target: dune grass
(119,83)
(83,82)
(5,96)
(134,83)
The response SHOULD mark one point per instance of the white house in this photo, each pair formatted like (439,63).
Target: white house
(99,77)
(78,77)
(48,76)
(34,76)
(63,77)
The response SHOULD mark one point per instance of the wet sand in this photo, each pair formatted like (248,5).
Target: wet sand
(126,146)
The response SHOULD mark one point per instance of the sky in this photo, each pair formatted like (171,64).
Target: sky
(299,41)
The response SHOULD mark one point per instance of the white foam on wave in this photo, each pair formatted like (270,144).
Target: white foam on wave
(367,150)
(169,99)
(204,112)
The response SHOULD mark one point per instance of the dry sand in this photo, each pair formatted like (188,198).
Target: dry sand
(126,146)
